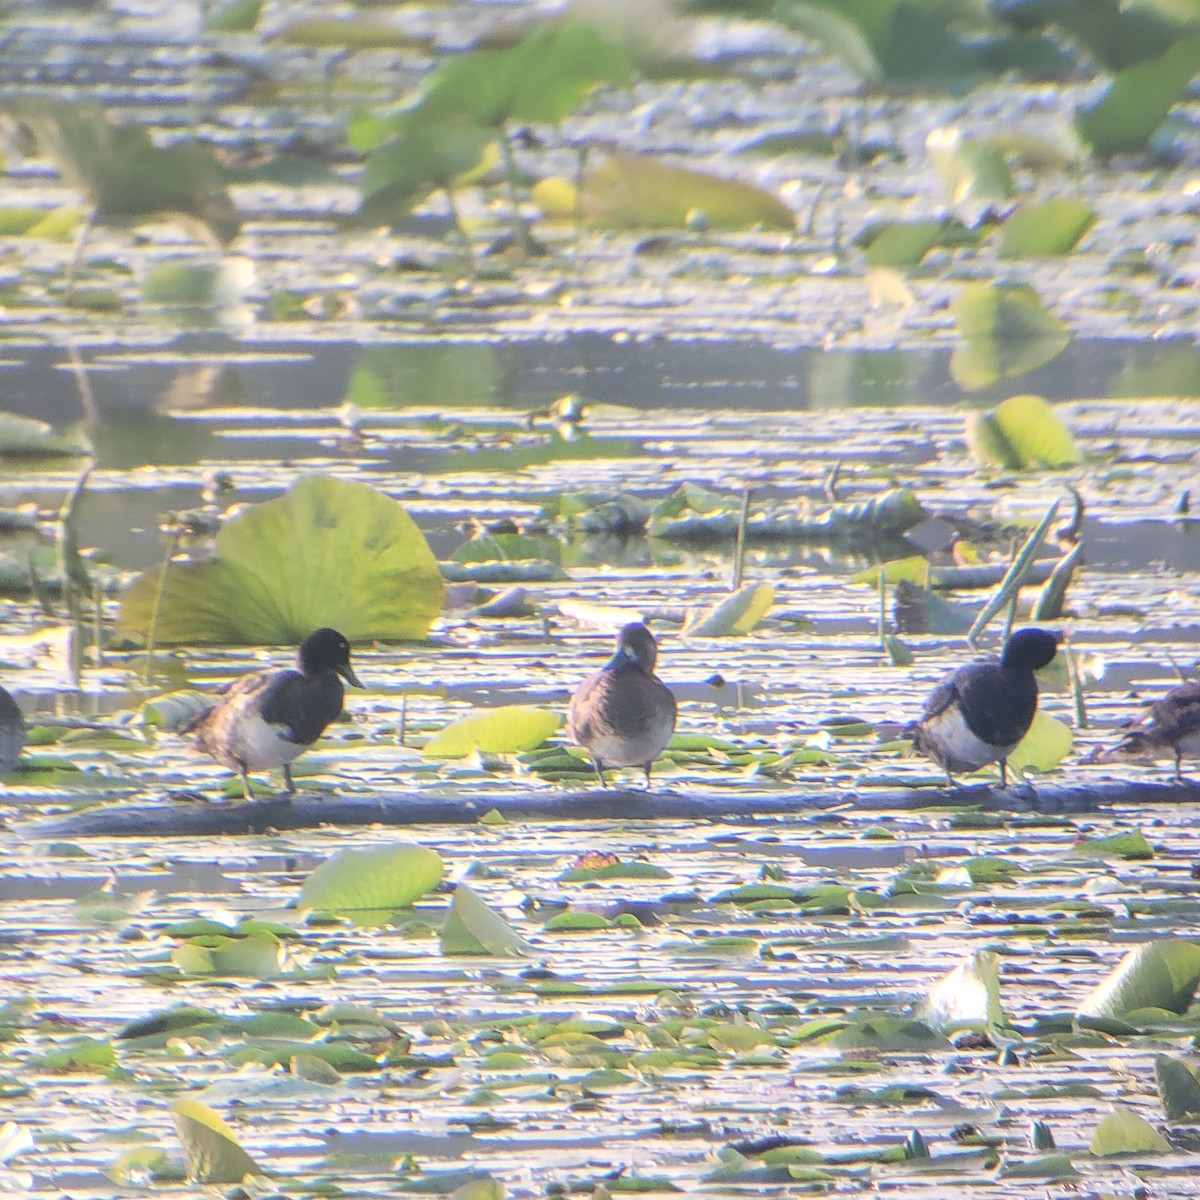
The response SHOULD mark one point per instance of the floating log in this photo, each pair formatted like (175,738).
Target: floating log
(173,818)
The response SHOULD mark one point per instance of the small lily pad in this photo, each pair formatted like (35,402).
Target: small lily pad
(1045,1167)
(1124,1132)
(1045,227)
(970,169)
(210,1147)
(899,243)
(511,729)
(376,881)
(473,928)
(736,614)
(1047,743)
(1178,1087)
(1022,432)
(577,922)
(631,191)
(968,996)
(258,957)
(1130,846)
(616,870)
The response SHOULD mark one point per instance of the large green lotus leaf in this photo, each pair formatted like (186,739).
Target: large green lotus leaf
(1045,227)
(630,191)
(970,169)
(473,928)
(327,552)
(1124,1132)
(968,996)
(544,79)
(1138,100)
(898,43)
(1159,974)
(210,1146)
(849,40)
(125,174)
(380,880)
(1114,32)
(511,729)
(421,154)
(1006,332)
(1046,744)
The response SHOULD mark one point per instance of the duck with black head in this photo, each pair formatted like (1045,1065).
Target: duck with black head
(1169,727)
(979,714)
(268,718)
(623,715)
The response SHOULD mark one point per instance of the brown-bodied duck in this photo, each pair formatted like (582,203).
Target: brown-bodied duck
(1169,726)
(980,713)
(623,715)
(268,718)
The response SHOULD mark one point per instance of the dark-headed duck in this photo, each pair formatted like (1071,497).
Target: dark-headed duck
(268,718)
(982,711)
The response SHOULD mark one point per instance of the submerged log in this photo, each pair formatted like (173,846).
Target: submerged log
(173,818)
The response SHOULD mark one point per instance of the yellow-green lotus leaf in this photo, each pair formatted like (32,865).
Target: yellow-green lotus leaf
(511,729)
(631,191)
(1046,744)
(210,1146)
(327,552)
(1124,1132)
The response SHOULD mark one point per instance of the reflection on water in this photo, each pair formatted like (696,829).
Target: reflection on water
(202,373)
(454,430)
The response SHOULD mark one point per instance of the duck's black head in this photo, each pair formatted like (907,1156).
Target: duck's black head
(326,650)
(636,642)
(1030,649)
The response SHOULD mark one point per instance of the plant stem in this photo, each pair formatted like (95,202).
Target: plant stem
(520,233)
(739,549)
(152,632)
(463,236)
(1076,677)
(98,621)
(883,609)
